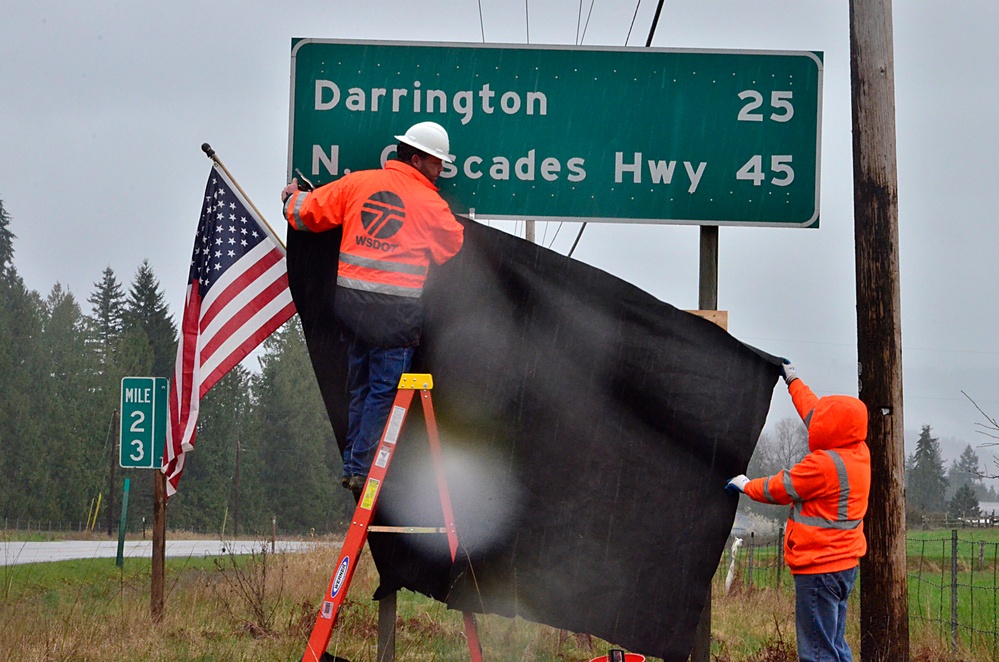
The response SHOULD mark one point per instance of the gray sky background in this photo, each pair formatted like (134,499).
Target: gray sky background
(104,106)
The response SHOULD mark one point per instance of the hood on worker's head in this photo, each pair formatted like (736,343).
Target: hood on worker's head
(836,421)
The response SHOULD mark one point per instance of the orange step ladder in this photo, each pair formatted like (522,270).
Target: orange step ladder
(343,571)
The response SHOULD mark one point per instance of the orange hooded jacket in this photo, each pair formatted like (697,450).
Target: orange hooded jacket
(828,489)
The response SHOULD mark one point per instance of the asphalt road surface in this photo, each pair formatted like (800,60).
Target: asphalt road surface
(16,553)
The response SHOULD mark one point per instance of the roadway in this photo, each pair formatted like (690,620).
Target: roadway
(17,553)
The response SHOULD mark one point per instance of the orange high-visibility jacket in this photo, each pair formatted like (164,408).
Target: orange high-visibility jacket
(394,225)
(828,489)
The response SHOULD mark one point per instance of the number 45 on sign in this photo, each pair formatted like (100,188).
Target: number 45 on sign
(143,422)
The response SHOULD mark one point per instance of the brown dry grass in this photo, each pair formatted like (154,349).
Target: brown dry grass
(106,616)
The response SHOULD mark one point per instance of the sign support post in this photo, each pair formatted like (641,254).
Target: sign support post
(143,438)
(120,560)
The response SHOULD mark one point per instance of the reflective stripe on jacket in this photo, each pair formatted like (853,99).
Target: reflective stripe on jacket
(394,222)
(828,490)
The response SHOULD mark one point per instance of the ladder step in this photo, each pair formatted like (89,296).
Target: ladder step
(407,529)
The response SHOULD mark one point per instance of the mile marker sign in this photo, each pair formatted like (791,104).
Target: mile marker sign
(143,422)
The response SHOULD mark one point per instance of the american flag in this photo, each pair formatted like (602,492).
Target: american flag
(237,295)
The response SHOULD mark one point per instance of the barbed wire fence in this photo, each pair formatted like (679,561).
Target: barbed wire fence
(953,584)
(954,589)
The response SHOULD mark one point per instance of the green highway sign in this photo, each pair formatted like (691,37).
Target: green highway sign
(143,422)
(573,133)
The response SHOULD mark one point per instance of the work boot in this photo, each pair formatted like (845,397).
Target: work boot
(345,482)
(356,484)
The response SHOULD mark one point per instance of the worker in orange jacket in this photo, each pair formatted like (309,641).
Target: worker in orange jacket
(828,492)
(395,225)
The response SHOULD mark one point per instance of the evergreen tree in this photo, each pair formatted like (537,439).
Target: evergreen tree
(965,470)
(987,493)
(207,494)
(964,504)
(299,464)
(926,483)
(22,384)
(6,241)
(146,310)
(116,354)
(73,439)
(107,319)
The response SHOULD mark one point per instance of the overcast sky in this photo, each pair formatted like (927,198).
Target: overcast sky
(104,107)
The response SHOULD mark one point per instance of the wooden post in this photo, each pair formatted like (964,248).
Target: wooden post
(386,627)
(884,614)
(159,545)
(235,517)
(114,463)
(707,299)
(707,295)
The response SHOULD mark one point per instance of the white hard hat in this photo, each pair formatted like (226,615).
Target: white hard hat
(429,137)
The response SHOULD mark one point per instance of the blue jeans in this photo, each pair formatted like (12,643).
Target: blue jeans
(372,377)
(820,615)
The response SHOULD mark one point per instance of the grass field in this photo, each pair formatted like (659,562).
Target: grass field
(262,607)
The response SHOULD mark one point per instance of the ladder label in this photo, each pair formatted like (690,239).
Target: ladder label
(341,574)
(394,424)
(383,458)
(327,609)
(370,490)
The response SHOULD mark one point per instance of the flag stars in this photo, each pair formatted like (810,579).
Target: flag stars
(227,231)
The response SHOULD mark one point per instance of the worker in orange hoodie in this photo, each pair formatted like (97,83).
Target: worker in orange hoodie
(828,492)
(395,226)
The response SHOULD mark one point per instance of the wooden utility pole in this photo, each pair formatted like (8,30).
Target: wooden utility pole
(884,615)
(707,299)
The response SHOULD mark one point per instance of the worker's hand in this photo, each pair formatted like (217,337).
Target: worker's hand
(289,190)
(737,485)
(788,371)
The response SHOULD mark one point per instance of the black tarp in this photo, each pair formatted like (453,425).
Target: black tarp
(588,429)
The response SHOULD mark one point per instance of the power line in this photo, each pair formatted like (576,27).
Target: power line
(527,20)
(482,26)
(582,37)
(632,26)
(648,43)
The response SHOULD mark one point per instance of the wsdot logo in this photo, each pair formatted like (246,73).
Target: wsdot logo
(383,214)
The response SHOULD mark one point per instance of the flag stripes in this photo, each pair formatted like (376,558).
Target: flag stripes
(237,295)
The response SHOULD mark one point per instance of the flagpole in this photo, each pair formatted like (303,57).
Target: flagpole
(210,153)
